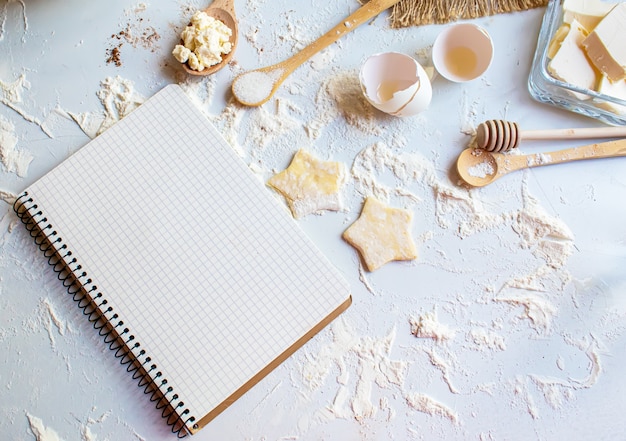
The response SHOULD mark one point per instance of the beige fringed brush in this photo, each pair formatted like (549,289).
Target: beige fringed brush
(419,12)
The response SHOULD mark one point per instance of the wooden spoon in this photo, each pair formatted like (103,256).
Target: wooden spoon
(256,87)
(224,11)
(479,167)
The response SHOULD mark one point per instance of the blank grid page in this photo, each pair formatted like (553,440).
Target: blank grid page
(206,268)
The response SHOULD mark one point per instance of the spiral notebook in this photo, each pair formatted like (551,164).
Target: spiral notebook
(196,276)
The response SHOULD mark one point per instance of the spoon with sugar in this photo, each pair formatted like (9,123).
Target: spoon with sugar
(224,11)
(256,87)
(479,167)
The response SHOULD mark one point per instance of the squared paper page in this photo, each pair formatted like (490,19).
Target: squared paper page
(207,269)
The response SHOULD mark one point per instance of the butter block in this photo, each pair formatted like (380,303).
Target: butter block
(570,63)
(606,44)
(586,12)
(616,89)
(557,39)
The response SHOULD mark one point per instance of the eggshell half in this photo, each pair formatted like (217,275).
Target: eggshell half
(462,52)
(395,83)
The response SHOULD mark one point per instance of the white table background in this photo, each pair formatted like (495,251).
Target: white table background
(553,376)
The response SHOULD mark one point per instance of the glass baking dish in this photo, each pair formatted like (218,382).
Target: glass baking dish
(546,89)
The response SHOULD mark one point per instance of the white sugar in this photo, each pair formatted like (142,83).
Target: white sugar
(254,87)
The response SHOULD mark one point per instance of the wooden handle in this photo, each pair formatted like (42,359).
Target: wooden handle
(358,17)
(581,133)
(227,5)
(609,149)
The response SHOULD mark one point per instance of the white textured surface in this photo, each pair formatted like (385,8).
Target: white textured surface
(509,325)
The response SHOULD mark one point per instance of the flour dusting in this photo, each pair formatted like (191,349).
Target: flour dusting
(14,160)
(558,390)
(341,96)
(41,432)
(427,326)
(374,367)
(119,98)
(521,390)
(12,97)
(266,127)
(424,403)
(538,310)
(485,339)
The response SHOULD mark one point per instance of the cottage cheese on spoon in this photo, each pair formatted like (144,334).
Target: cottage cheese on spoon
(205,40)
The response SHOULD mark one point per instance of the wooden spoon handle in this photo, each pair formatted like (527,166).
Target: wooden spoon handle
(609,149)
(358,17)
(579,133)
(227,5)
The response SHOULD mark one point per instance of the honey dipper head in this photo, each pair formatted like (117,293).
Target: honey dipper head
(497,136)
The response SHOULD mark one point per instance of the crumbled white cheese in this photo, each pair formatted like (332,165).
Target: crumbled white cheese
(205,40)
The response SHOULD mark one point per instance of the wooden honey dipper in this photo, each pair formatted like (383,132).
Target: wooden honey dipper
(496,135)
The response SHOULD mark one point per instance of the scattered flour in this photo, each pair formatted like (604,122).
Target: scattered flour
(51,319)
(7,197)
(323,59)
(341,96)
(266,127)
(374,367)
(12,98)
(427,326)
(538,310)
(539,159)
(486,339)
(377,158)
(364,279)
(444,367)
(88,122)
(231,118)
(424,403)
(554,241)
(521,390)
(41,432)
(12,92)
(119,98)
(14,160)
(201,92)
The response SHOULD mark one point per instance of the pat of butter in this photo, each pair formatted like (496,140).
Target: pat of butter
(557,40)
(570,62)
(586,12)
(616,89)
(606,44)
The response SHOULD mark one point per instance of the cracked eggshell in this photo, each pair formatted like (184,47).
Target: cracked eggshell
(395,83)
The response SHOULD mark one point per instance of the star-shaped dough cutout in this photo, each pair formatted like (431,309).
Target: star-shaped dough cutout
(382,234)
(310,185)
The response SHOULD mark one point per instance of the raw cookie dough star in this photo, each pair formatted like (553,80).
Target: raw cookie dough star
(310,185)
(381,234)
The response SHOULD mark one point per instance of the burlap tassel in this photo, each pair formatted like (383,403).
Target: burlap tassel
(418,12)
